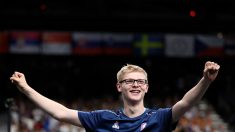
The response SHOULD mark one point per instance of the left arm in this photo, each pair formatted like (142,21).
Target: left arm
(195,94)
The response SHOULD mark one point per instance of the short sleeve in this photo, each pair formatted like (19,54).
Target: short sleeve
(166,118)
(89,120)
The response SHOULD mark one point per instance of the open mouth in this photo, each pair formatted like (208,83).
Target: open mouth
(135,91)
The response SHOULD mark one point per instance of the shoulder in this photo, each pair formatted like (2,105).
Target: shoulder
(157,110)
(105,112)
(163,116)
(101,113)
(160,112)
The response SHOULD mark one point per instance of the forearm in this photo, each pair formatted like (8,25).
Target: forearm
(53,108)
(196,93)
(190,98)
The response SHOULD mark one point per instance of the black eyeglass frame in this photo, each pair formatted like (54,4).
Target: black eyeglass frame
(134,80)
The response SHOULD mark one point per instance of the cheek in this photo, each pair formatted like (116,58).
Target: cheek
(123,89)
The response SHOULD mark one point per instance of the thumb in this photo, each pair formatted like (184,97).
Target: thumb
(16,76)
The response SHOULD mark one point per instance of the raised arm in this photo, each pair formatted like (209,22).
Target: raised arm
(53,108)
(195,94)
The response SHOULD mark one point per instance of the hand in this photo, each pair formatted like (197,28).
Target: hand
(19,80)
(211,70)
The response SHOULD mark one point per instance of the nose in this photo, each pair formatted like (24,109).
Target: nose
(135,83)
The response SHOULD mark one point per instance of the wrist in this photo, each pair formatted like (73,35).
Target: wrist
(25,89)
(206,79)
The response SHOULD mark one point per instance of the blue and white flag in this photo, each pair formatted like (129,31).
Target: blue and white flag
(179,45)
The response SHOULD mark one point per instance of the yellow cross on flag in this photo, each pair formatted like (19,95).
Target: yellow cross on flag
(149,45)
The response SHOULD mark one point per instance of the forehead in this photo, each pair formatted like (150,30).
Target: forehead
(134,75)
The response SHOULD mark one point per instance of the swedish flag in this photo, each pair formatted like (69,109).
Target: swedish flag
(148,45)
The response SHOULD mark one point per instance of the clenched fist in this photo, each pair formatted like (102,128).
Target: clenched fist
(211,70)
(19,80)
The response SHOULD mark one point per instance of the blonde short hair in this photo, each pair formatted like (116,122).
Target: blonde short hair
(128,69)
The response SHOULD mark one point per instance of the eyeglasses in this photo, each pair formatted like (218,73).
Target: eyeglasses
(132,81)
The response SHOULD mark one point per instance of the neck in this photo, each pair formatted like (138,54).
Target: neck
(133,110)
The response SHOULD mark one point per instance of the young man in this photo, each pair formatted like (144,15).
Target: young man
(132,83)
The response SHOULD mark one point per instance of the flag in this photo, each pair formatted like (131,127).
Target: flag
(56,43)
(87,43)
(3,42)
(179,45)
(229,45)
(118,44)
(27,42)
(209,45)
(148,45)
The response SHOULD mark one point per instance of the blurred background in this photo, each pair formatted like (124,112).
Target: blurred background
(70,51)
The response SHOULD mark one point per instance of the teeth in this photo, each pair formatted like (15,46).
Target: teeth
(135,91)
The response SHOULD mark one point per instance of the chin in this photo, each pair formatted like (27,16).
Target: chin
(136,99)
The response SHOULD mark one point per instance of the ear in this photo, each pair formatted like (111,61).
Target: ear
(118,85)
(146,89)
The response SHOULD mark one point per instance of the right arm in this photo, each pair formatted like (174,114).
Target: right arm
(53,108)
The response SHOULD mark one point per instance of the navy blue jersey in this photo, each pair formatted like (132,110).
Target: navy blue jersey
(152,120)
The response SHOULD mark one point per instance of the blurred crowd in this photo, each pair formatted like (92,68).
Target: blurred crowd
(26,117)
